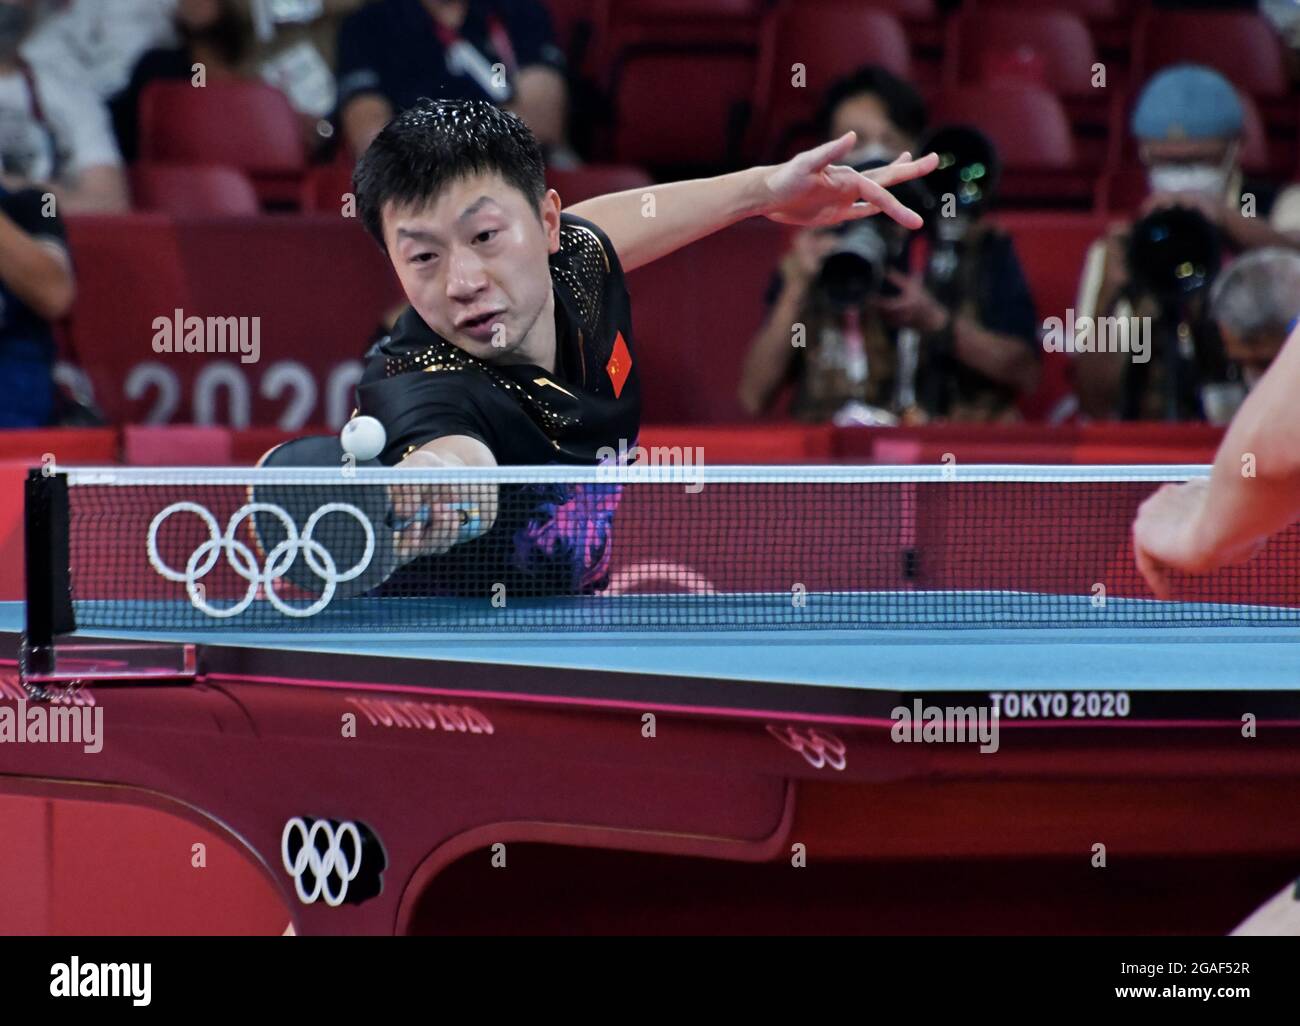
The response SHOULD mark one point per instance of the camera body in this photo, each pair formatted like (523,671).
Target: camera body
(866,249)
(1173,254)
(857,265)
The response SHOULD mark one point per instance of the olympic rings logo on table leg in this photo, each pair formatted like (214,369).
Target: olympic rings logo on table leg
(244,561)
(819,748)
(303,860)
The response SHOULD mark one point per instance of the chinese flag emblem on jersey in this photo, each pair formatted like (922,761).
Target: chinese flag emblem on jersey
(620,365)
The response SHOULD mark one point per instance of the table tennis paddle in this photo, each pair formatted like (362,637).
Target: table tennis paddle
(357,531)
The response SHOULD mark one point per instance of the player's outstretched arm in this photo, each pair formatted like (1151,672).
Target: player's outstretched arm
(457,513)
(1253,491)
(808,189)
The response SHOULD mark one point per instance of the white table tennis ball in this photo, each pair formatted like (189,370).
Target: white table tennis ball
(363,437)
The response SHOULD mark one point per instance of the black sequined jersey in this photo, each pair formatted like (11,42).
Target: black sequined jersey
(422,387)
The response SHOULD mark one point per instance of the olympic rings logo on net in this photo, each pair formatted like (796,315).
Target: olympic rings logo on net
(340,858)
(245,563)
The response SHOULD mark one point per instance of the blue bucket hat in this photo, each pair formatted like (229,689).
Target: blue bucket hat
(1187,101)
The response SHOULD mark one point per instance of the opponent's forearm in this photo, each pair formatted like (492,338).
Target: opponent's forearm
(1255,484)
(1241,512)
(646,224)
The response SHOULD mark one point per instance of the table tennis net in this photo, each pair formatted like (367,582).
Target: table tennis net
(723,548)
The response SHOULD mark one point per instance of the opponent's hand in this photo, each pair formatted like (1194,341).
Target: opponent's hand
(1165,536)
(811,189)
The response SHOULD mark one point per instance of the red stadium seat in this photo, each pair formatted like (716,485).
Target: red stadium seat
(1029,127)
(1060,39)
(919,10)
(1089,10)
(186,190)
(243,124)
(1243,46)
(324,187)
(1028,124)
(688,8)
(1051,48)
(1109,21)
(681,109)
(628,25)
(924,28)
(583,183)
(574,22)
(829,40)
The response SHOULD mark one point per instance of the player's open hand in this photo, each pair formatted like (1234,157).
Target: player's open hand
(812,189)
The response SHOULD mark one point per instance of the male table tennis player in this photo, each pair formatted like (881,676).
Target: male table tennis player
(1210,523)
(517,347)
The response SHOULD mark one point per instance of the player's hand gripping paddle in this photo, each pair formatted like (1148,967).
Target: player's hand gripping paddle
(346,532)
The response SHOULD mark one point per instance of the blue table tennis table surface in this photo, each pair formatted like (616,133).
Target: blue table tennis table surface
(1113,649)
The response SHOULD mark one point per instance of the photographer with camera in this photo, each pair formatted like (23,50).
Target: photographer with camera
(867,340)
(1159,269)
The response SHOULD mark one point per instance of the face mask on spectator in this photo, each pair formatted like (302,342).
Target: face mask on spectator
(1202,177)
(15,20)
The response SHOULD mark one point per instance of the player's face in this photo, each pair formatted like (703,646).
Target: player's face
(473,263)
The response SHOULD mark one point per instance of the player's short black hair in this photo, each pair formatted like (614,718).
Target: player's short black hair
(436,142)
(902,102)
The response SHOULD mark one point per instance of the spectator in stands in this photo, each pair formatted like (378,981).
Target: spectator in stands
(213,33)
(847,364)
(1188,123)
(99,43)
(393,52)
(1256,303)
(295,48)
(36,289)
(54,131)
